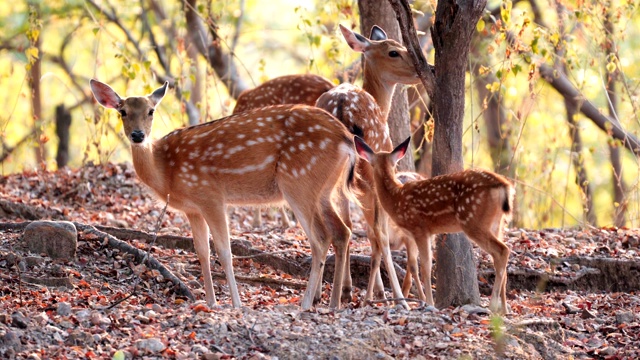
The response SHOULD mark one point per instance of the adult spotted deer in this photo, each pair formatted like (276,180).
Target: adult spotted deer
(296,153)
(364,112)
(475,202)
(290,89)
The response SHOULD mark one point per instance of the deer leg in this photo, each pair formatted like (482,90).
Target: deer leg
(499,252)
(201,243)
(412,271)
(424,248)
(257,218)
(347,283)
(217,220)
(319,248)
(381,225)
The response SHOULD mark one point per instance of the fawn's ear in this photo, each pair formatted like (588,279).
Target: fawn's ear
(105,95)
(363,150)
(356,41)
(400,150)
(377,33)
(157,95)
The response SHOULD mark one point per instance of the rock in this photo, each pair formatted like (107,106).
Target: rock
(5,318)
(56,239)
(472,309)
(624,317)
(79,337)
(586,314)
(11,340)
(151,345)
(41,318)
(199,349)
(18,320)
(64,309)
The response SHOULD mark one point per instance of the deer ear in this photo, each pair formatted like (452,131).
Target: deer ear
(105,95)
(157,95)
(400,150)
(363,150)
(377,33)
(356,41)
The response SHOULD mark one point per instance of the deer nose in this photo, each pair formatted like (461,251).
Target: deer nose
(137,136)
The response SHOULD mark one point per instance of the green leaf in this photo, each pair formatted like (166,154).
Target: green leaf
(118,355)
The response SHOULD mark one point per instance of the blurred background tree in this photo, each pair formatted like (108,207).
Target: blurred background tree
(551,86)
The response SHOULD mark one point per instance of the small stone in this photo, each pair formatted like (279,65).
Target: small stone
(624,317)
(56,239)
(18,320)
(79,337)
(575,267)
(33,356)
(64,309)
(83,315)
(41,318)
(199,349)
(11,340)
(99,319)
(586,314)
(151,345)
(607,351)
(5,318)
(472,309)
(143,319)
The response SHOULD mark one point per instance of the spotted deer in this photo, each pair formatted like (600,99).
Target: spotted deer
(399,238)
(364,112)
(268,155)
(475,202)
(289,89)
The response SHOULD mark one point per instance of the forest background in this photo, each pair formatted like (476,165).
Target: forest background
(551,99)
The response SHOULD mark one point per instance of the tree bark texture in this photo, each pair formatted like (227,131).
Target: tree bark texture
(63,122)
(35,73)
(457,281)
(380,13)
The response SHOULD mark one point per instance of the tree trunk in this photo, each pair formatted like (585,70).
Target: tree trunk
(35,73)
(457,281)
(63,122)
(582,179)
(619,186)
(381,13)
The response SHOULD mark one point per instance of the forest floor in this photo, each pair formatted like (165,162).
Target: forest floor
(573,293)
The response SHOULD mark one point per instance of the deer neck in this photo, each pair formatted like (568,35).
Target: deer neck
(379,89)
(147,169)
(387,187)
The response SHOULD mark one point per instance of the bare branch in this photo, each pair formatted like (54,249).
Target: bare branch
(410,38)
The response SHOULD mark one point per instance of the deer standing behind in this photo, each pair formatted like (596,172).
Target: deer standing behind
(258,157)
(364,112)
(290,89)
(476,202)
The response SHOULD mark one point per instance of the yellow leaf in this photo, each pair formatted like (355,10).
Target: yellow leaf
(480,25)
(32,53)
(611,67)
(119,355)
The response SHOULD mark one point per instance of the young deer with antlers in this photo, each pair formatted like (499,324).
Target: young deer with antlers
(290,89)
(364,112)
(258,157)
(475,202)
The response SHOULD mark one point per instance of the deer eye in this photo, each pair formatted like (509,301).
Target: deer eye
(151,112)
(394,53)
(123,113)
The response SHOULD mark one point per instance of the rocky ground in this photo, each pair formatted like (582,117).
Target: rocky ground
(573,293)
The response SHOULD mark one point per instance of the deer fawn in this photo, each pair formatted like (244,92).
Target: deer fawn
(364,112)
(399,237)
(296,153)
(476,202)
(289,89)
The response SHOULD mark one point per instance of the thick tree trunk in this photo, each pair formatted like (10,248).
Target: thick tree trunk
(457,281)
(380,13)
